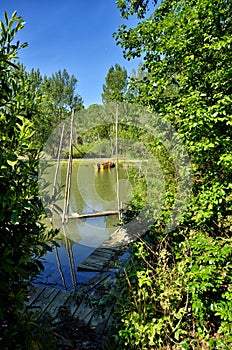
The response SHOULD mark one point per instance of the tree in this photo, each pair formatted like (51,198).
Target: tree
(24,238)
(186,48)
(201,76)
(60,91)
(56,96)
(134,81)
(114,88)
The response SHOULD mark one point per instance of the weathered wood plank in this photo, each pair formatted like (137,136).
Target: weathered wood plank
(72,303)
(103,254)
(94,260)
(83,312)
(43,301)
(99,322)
(95,281)
(94,214)
(109,249)
(33,294)
(90,267)
(99,258)
(57,302)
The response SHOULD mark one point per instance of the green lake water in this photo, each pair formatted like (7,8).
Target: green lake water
(91,191)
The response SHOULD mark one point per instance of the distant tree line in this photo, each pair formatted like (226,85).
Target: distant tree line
(56,96)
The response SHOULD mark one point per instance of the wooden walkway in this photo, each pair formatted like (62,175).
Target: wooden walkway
(103,258)
(49,301)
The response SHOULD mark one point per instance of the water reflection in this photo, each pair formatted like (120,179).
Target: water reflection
(91,191)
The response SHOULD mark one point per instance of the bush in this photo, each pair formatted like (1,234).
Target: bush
(177,297)
(23,236)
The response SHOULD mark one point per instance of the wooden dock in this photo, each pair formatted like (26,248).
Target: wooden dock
(80,305)
(103,257)
(100,259)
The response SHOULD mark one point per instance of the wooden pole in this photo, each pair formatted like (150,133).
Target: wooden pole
(116,133)
(116,154)
(56,172)
(70,258)
(60,268)
(68,174)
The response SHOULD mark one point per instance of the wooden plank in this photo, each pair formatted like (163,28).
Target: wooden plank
(83,312)
(93,259)
(90,267)
(94,265)
(48,301)
(72,303)
(109,322)
(98,260)
(100,322)
(33,295)
(44,299)
(102,254)
(58,301)
(94,214)
(109,249)
(95,281)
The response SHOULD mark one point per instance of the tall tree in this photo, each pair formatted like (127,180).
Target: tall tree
(56,97)
(115,85)
(134,80)
(60,92)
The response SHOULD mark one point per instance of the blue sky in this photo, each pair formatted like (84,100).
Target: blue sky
(71,34)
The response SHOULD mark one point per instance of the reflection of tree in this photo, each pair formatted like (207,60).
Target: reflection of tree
(111,221)
(77,203)
(105,185)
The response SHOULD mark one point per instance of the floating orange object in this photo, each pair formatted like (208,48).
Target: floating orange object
(106,165)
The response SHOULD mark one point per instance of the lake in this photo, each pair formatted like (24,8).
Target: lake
(92,190)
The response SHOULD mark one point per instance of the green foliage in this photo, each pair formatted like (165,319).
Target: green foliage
(115,87)
(187,48)
(178,290)
(55,97)
(23,236)
(177,298)
(130,7)
(29,333)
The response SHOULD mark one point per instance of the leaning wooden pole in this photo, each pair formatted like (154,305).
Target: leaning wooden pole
(60,268)
(116,163)
(70,258)
(56,172)
(68,174)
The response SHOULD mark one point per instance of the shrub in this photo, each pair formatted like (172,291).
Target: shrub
(23,236)
(177,296)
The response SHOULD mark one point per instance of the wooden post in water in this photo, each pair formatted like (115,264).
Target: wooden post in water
(70,258)
(56,172)
(68,174)
(116,154)
(60,268)
(66,204)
